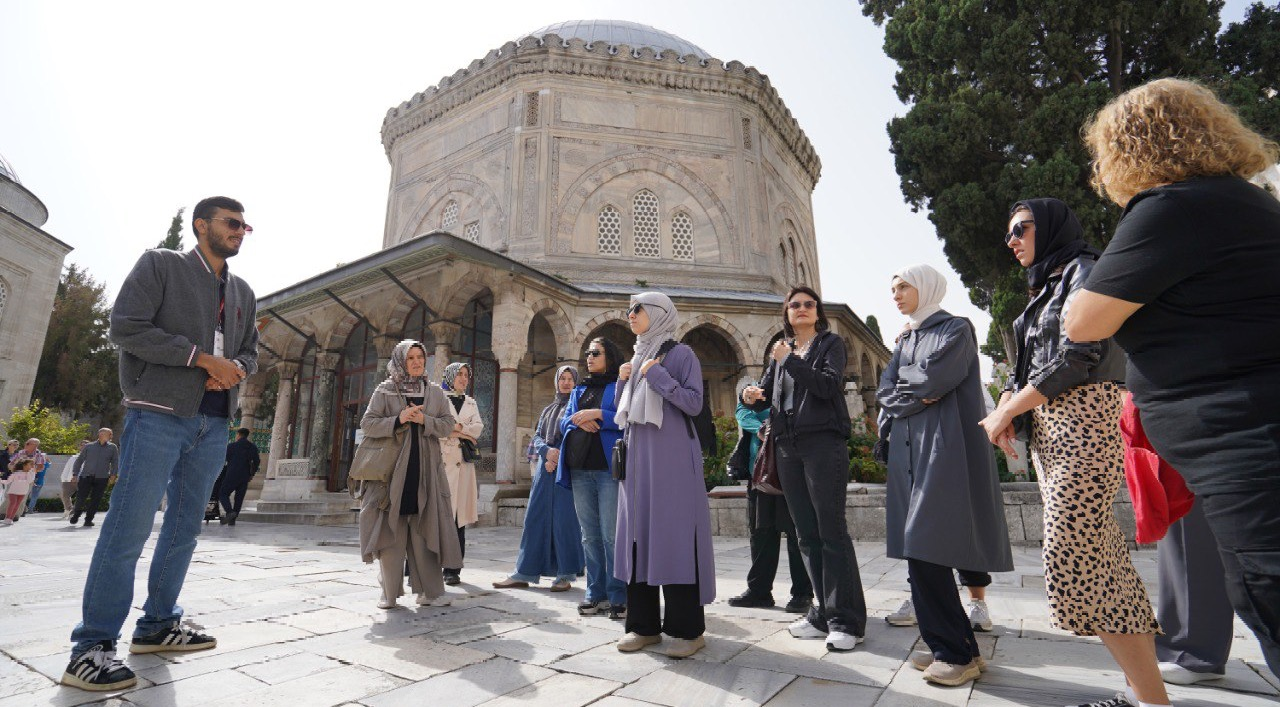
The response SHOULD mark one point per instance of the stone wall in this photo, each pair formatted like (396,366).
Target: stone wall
(864,509)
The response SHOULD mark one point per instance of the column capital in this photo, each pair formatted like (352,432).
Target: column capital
(328,362)
(445,332)
(287,371)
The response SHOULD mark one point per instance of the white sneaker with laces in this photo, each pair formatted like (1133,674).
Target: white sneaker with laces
(841,642)
(979,615)
(904,616)
(803,629)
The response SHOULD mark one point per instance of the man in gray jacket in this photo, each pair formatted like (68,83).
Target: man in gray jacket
(187,336)
(95,467)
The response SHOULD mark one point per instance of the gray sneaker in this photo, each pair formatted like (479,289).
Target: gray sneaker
(979,616)
(904,616)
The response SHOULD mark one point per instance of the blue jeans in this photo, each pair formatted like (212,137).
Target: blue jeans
(159,453)
(595,498)
(34,496)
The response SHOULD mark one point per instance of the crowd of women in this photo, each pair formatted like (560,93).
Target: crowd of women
(1187,288)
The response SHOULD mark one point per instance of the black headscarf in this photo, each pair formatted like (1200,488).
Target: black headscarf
(1059,238)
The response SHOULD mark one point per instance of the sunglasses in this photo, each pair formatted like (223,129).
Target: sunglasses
(235,223)
(635,309)
(1017,231)
(806,304)
(593,354)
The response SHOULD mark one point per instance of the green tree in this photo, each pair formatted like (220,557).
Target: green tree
(40,422)
(78,367)
(173,241)
(998,91)
(874,325)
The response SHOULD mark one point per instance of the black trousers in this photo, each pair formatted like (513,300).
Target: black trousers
(684,618)
(1193,608)
(815,471)
(230,487)
(1247,526)
(89,495)
(943,624)
(763,512)
(969,578)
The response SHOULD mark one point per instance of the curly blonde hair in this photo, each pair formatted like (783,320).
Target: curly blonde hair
(1167,131)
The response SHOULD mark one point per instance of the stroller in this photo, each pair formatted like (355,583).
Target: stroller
(213,510)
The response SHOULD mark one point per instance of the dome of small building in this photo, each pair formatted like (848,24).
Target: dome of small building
(616,32)
(6,171)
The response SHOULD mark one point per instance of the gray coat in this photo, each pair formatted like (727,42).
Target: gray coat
(380,503)
(944,504)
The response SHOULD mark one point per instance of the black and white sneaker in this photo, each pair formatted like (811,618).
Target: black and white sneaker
(97,669)
(618,612)
(591,608)
(175,638)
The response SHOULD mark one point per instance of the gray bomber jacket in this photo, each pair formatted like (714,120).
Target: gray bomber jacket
(1049,361)
(167,313)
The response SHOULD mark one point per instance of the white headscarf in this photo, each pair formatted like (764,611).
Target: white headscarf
(932,287)
(639,403)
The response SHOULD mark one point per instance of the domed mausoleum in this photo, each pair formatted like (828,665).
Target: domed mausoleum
(30,265)
(532,193)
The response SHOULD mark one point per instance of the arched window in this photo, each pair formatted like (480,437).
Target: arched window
(449,218)
(682,236)
(785,265)
(804,276)
(475,346)
(609,231)
(648,235)
(4,296)
(304,391)
(795,272)
(357,373)
(472,232)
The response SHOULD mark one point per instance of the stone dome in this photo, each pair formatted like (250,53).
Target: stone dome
(615,32)
(6,171)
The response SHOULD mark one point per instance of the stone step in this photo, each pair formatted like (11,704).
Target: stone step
(347,519)
(305,506)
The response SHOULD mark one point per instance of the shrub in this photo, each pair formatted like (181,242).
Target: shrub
(50,505)
(40,422)
(714,472)
(863,468)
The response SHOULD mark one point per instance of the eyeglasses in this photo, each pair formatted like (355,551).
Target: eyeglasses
(635,309)
(235,223)
(593,354)
(1019,228)
(807,304)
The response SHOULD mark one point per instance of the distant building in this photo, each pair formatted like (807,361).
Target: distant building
(531,193)
(30,267)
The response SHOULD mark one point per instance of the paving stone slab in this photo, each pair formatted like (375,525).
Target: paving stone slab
(811,692)
(409,658)
(557,691)
(345,684)
(290,667)
(693,683)
(472,685)
(204,689)
(322,621)
(608,663)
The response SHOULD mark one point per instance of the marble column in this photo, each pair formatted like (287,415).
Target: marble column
(322,421)
(445,333)
(280,427)
(511,318)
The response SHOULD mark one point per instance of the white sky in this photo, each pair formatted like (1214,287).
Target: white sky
(117,114)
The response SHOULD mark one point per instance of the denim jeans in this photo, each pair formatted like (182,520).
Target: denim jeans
(595,498)
(33,497)
(159,453)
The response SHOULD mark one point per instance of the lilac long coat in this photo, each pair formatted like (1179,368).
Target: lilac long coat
(662,504)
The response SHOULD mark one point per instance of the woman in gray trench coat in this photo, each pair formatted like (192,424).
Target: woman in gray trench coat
(410,518)
(944,508)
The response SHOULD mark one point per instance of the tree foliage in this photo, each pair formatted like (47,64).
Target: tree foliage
(78,367)
(173,241)
(874,325)
(999,89)
(40,422)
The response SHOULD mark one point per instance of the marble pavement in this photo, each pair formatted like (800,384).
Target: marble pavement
(293,610)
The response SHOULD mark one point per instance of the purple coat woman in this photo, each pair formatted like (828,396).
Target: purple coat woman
(664,523)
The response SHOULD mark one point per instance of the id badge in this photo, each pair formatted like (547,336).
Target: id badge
(217,343)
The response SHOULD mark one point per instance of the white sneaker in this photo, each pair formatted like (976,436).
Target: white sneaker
(803,629)
(442,600)
(1175,674)
(979,615)
(385,603)
(904,616)
(5,523)
(840,642)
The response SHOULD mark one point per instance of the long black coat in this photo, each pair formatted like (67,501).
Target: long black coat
(944,504)
(242,462)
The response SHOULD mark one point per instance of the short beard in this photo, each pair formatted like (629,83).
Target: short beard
(221,250)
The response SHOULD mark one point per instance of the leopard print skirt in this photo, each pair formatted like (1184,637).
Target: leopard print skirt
(1091,582)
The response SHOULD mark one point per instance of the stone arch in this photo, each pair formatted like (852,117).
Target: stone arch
(493,229)
(802,252)
(592,328)
(592,179)
(561,324)
(464,290)
(736,339)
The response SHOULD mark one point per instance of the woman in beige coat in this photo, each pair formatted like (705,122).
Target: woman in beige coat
(410,518)
(461,474)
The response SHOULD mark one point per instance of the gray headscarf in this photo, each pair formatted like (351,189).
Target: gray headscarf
(548,427)
(398,369)
(640,403)
(450,373)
